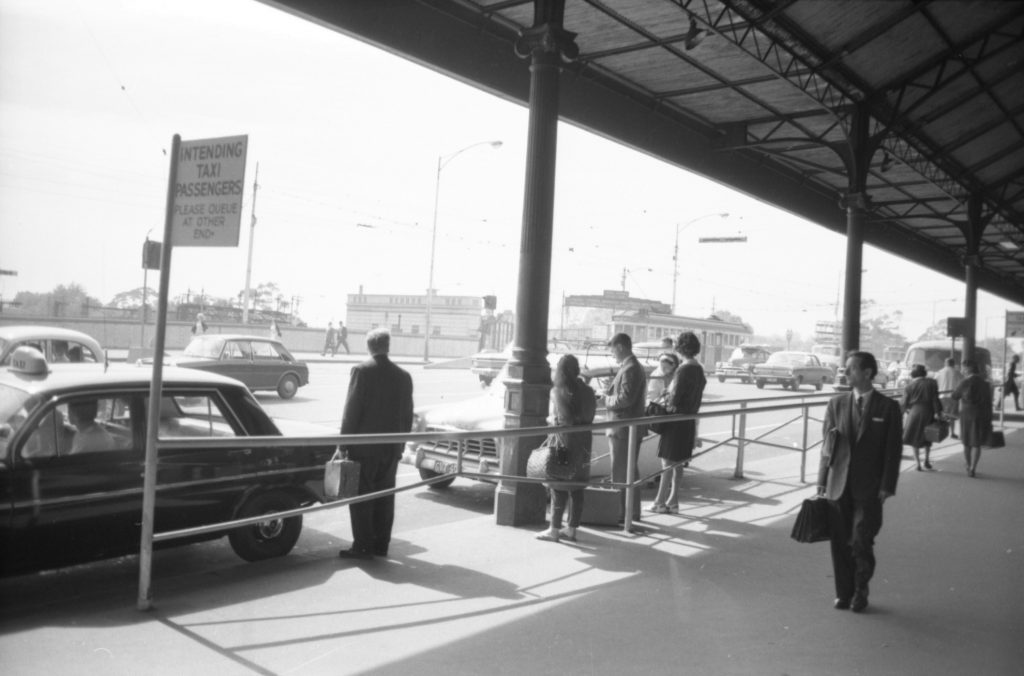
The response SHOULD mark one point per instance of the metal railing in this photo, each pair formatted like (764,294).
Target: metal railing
(739,410)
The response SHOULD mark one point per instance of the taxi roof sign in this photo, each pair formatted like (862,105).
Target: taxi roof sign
(28,361)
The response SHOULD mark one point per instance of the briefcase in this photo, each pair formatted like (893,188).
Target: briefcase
(341,477)
(811,523)
(601,506)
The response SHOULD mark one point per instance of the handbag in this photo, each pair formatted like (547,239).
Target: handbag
(653,409)
(553,460)
(996,439)
(341,476)
(936,431)
(811,523)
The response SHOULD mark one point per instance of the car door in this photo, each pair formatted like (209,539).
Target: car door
(267,365)
(76,502)
(236,361)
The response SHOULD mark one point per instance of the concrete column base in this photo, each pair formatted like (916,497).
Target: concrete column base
(526,405)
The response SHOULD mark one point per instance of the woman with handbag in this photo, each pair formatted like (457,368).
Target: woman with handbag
(975,397)
(921,405)
(678,438)
(574,403)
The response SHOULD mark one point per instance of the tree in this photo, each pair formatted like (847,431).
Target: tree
(64,301)
(133,298)
(937,331)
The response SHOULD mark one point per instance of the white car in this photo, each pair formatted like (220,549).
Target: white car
(57,344)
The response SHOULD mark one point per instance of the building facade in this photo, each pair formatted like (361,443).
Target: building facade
(406,314)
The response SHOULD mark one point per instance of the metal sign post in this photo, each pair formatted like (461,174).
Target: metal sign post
(204,207)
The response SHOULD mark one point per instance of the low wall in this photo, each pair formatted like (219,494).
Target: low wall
(121,335)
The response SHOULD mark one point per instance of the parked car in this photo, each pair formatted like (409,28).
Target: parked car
(487,412)
(57,344)
(740,363)
(487,364)
(829,354)
(260,363)
(71,491)
(792,369)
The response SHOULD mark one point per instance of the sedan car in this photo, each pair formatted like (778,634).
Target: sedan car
(741,362)
(487,412)
(261,363)
(792,369)
(72,455)
(57,344)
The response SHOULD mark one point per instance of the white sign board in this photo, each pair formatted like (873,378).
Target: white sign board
(1015,324)
(208,192)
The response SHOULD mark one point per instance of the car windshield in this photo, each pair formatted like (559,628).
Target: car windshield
(788,359)
(207,347)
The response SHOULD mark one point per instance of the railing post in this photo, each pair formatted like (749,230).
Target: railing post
(803,449)
(741,443)
(627,508)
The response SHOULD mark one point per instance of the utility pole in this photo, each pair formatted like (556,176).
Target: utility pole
(252,236)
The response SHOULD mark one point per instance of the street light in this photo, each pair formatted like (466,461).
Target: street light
(442,162)
(675,252)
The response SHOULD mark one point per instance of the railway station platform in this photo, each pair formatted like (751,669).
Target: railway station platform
(717,589)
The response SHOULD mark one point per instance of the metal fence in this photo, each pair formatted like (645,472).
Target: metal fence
(739,411)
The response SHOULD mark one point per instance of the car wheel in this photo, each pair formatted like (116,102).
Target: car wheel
(288,386)
(440,485)
(485,381)
(721,379)
(266,539)
(760,384)
(745,381)
(820,385)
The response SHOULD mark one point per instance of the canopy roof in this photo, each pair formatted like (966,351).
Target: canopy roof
(760,95)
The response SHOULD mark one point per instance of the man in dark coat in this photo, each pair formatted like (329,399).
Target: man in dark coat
(379,402)
(625,397)
(860,464)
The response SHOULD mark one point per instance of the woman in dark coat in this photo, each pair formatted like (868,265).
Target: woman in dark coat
(574,403)
(975,397)
(678,438)
(922,406)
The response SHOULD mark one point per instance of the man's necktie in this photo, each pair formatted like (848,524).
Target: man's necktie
(860,409)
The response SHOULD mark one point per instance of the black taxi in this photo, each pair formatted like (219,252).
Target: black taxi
(72,452)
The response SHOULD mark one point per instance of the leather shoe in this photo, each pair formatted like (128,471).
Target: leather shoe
(354,554)
(841,604)
(858,603)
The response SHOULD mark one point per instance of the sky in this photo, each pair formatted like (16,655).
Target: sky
(347,138)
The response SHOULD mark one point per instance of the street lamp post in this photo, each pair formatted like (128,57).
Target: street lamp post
(675,252)
(442,161)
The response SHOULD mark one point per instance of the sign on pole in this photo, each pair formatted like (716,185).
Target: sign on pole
(1014,324)
(208,191)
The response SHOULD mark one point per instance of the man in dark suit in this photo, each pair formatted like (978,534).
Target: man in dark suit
(379,401)
(624,398)
(860,464)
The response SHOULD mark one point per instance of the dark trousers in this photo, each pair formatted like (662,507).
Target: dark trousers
(618,446)
(854,525)
(559,498)
(372,520)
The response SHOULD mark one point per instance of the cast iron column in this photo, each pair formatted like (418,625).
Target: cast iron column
(973,231)
(856,210)
(856,154)
(526,396)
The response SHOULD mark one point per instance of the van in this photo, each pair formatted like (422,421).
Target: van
(934,353)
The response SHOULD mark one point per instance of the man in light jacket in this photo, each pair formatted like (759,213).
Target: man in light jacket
(624,398)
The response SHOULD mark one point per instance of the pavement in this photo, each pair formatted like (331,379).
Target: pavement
(718,589)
